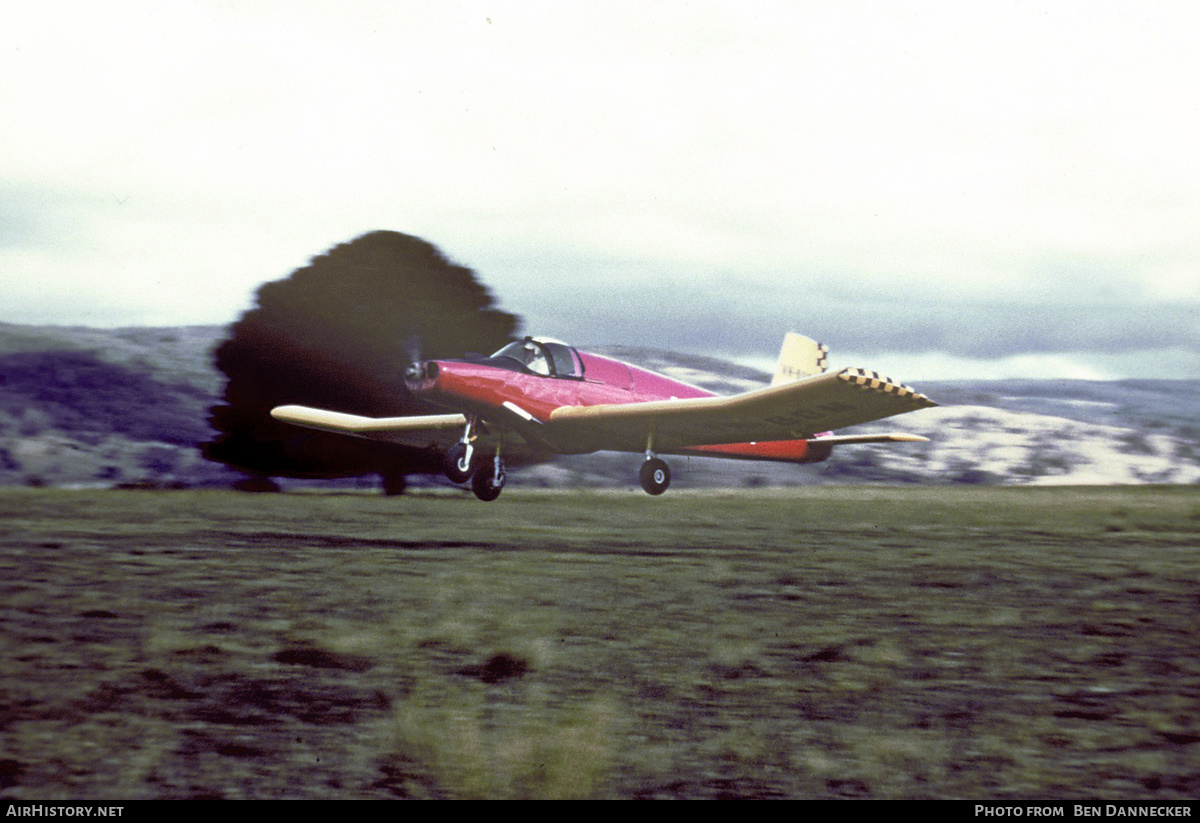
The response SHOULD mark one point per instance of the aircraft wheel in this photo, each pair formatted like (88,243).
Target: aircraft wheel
(485,484)
(457,467)
(655,476)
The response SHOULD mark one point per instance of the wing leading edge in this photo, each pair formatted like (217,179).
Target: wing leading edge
(788,411)
(417,430)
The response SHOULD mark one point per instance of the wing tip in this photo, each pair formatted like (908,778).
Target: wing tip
(873,381)
(289,413)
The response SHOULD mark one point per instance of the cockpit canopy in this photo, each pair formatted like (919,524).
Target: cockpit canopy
(542,355)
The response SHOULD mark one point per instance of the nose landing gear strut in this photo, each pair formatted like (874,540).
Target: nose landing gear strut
(485,471)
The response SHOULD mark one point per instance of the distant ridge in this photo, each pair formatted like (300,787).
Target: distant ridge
(169,353)
(999,431)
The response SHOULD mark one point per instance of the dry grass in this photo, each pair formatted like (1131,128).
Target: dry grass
(828,642)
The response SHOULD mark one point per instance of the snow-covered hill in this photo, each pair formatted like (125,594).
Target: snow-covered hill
(1011,432)
(981,444)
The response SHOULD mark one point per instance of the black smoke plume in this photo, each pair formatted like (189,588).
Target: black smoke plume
(337,334)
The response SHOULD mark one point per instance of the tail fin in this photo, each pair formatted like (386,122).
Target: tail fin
(799,357)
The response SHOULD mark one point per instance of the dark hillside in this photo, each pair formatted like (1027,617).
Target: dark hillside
(75,391)
(171,354)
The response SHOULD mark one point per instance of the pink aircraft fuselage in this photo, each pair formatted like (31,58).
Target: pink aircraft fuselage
(588,380)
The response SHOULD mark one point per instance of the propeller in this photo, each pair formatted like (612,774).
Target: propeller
(413,347)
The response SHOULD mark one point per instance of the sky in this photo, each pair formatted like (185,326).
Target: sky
(933,189)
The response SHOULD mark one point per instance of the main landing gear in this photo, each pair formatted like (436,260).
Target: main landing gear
(485,471)
(655,474)
(489,478)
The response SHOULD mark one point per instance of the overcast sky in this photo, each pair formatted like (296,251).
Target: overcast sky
(935,189)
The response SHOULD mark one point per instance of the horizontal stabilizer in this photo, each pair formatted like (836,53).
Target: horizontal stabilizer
(853,439)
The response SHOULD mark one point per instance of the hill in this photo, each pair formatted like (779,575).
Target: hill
(83,405)
(171,354)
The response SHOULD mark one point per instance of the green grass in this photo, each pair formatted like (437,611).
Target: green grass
(818,642)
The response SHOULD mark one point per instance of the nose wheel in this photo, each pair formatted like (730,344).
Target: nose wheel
(458,462)
(655,475)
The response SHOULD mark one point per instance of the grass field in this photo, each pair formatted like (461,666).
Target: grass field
(817,642)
